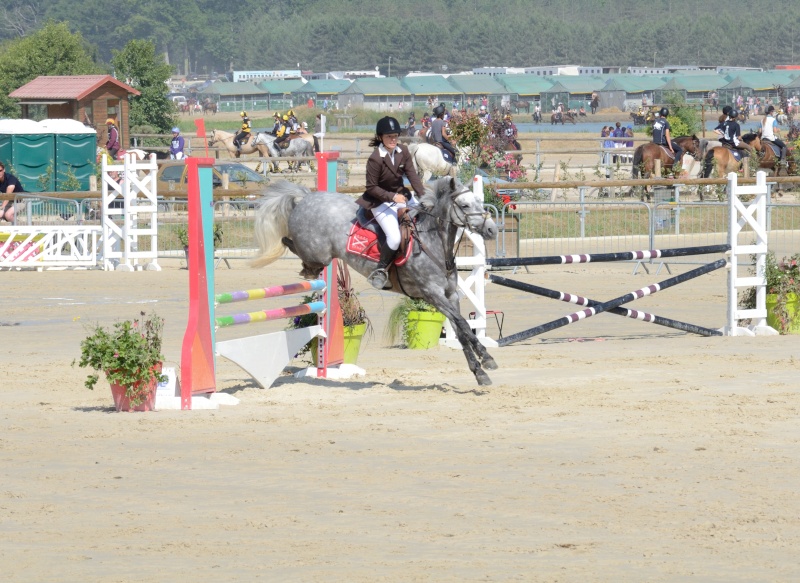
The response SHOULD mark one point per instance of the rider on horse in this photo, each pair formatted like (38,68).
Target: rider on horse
(386,193)
(439,130)
(277,125)
(732,133)
(510,132)
(293,123)
(244,134)
(662,136)
(283,132)
(768,131)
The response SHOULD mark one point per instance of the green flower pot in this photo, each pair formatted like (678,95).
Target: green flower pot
(424,329)
(352,344)
(793,309)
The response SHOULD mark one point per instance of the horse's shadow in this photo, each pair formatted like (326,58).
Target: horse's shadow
(352,385)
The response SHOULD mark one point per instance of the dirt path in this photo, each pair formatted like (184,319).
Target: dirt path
(609,450)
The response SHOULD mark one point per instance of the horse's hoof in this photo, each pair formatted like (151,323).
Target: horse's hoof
(489,363)
(483,379)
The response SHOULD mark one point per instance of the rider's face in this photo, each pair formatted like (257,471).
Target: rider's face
(389,141)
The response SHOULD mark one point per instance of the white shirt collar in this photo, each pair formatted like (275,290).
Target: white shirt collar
(384,152)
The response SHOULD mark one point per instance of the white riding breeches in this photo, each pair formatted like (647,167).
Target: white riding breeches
(386,215)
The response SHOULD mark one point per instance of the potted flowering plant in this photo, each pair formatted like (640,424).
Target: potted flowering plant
(130,356)
(783,294)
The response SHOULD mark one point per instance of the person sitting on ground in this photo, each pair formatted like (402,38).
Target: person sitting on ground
(8,185)
(769,130)
(244,134)
(440,133)
(385,192)
(176,145)
(662,136)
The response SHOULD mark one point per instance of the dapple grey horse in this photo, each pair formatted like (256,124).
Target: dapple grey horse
(297,147)
(315,226)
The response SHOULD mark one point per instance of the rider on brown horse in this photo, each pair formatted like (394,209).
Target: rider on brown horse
(662,137)
(510,132)
(768,131)
(732,134)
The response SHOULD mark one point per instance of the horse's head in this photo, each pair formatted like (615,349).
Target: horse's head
(453,203)
(213,139)
(753,139)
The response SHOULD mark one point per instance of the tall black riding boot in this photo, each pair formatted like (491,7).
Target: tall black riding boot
(379,279)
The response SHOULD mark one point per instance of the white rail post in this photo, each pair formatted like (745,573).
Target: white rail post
(740,216)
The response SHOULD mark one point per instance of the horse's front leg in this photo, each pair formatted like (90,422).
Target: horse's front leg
(464,334)
(486,359)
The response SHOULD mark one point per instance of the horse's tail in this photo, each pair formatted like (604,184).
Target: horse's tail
(272,220)
(316,143)
(637,161)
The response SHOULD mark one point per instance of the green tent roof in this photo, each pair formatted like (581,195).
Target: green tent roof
(324,86)
(672,85)
(700,82)
(577,84)
(280,86)
(372,86)
(429,85)
(639,83)
(525,85)
(477,85)
(233,89)
(760,80)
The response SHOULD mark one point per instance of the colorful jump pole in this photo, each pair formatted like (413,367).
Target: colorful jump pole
(270,292)
(603,257)
(273,314)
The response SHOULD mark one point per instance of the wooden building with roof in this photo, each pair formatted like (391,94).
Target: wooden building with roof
(90,99)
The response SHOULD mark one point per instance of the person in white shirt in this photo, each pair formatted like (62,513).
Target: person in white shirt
(769,129)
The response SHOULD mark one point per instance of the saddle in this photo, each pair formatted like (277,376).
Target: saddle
(774,147)
(737,154)
(366,237)
(669,154)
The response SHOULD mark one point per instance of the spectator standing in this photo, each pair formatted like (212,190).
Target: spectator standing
(176,145)
(8,185)
(112,144)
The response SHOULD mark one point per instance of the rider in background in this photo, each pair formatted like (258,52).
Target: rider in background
(769,130)
(411,128)
(483,115)
(283,131)
(244,134)
(439,130)
(293,123)
(510,132)
(732,134)
(176,145)
(277,125)
(385,192)
(662,136)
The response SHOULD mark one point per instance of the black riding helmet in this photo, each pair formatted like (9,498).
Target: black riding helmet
(387,125)
(733,114)
(664,112)
(438,110)
(770,109)
(727,109)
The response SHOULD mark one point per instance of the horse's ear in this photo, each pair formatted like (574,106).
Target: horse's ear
(452,184)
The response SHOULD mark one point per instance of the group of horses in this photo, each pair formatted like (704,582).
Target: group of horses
(300,146)
(207,106)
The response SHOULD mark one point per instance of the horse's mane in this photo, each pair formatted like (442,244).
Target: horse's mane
(749,137)
(433,193)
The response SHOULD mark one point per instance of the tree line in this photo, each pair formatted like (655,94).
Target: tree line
(429,35)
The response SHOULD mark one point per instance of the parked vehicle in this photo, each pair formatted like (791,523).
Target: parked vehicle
(172,176)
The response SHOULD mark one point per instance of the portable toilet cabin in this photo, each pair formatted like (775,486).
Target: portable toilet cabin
(28,151)
(75,153)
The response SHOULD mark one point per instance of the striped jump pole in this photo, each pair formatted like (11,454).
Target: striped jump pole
(581,301)
(314,285)
(274,314)
(606,306)
(604,257)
